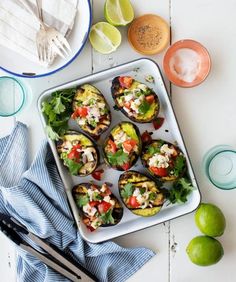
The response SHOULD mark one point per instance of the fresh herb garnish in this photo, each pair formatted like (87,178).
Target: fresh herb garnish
(93,123)
(118,158)
(107,217)
(58,110)
(73,166)
(127,191)
(182,188)
(82,200)
(153,150)
(152,196)
(179,165)
(97,196)
(142,190)
(144,107)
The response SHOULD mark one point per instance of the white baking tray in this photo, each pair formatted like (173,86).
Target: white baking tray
(169,131)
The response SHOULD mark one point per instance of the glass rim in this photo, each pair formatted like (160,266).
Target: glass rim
(208,165)
(23,95)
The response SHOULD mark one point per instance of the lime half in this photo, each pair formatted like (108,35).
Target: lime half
(118,12)
(104,37)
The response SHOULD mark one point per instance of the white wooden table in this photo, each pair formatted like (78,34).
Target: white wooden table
(206,115)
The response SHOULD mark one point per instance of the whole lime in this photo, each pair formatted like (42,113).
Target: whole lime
(210,220)
(204,250)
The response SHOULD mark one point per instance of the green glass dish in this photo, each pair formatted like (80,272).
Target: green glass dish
(219,164)
(12,96)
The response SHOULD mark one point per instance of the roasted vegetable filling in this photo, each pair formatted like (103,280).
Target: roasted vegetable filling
(139,197)
(122,147)
(137,99)
(90,110)
(99,207)
(164,159)
(78,154)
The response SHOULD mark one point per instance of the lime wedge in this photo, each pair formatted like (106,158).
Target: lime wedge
(104,37)
(118,12)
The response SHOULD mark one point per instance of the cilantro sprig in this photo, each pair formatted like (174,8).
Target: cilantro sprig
(107,217)
(180,191)
(127,191)
(58,110)
(118,158)
(82,200)
(74,167)
(179,165)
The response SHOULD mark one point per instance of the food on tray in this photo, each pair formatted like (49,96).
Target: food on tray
(149,34)
(140,194)
(123,146)
(118,12)
(164,160)
(104,37)
(78,153)
(135,99)
(97,205)
(91,110)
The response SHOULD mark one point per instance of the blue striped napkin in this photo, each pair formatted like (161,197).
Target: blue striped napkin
(35,197)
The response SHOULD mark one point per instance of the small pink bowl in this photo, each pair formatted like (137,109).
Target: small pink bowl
(204,65)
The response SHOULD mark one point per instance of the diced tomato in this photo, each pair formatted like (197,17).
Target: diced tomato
(80,112)
(159,171)
(74,154)
(146,137)
(129,145)
(125,81)
(103,207)
(112,146)
(126,166)
(97,174)
(94,203)
(133,202)
(127,105)
(157,123)
(149,99)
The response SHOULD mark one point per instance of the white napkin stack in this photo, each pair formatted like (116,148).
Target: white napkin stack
(18,27)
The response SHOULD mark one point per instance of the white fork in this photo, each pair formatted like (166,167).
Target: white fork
(49,41)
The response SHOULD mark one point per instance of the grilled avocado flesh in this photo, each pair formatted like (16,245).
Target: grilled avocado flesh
(135,99)
(140,194)
(123,146)
(91,110)
(97,205)
(78,153)
(164,160)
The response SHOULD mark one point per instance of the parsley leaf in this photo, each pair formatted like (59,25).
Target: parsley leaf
(182,188)
(97,196)
(119,158)
(107,217)
(127,191)
(179,165)
(82,200)
(144,107)
(57,110)
(142,190)
(73,166)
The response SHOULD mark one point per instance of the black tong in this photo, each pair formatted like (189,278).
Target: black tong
(54,258)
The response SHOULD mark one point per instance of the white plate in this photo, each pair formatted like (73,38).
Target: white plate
(169,131)
(23,67)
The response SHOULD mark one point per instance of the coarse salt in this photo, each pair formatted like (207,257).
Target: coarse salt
(185,64)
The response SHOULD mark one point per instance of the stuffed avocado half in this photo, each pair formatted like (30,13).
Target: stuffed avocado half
(123,146)
(78,153)
(91,110)
(135,99)
(140,194)
(164,160)
(97,205)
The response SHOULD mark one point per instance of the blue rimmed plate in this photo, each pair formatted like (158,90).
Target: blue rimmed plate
(23,67)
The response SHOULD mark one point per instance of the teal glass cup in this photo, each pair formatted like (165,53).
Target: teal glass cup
(219,164)
(13,94)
